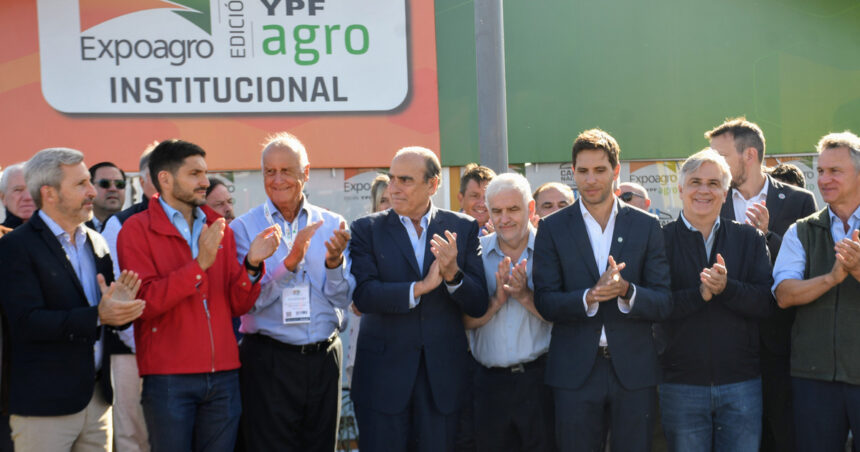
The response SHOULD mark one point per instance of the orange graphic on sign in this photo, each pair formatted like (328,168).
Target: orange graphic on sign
(94,12)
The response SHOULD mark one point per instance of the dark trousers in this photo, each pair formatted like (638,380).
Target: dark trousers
(198,412)
(420,427)
(824,411)
(579,413)
(778,420)
(291,400)
(513,411)
(465,441)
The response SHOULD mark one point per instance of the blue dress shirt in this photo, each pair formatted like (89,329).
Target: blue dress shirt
(178,220)
(791,260)
(81,256)
(513,335)
(330,289)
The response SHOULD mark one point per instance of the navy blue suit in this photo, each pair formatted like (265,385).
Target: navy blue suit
(410,367)
(52,326)
(564,268)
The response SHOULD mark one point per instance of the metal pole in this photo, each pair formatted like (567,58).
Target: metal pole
(492,100)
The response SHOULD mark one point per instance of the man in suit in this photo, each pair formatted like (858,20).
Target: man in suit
(56,299)
(771,206)
(601,276)
(418,269)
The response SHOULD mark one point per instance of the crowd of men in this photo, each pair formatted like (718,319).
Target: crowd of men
(529,321)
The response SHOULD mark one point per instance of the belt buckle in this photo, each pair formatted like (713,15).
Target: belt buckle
(518,369)
(307,348)
(605,352)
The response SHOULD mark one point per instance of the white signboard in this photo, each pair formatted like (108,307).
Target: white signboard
(235,56)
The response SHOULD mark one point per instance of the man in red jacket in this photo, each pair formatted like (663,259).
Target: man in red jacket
(193,284)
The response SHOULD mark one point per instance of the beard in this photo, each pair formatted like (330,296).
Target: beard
(188,196)
(740,179)
(79,212)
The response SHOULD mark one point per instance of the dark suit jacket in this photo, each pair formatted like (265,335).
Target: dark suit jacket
(785,205)
(392,336)
(52,326)
(564,268)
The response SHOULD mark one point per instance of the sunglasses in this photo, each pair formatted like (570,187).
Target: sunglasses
(105,183)
(628,196)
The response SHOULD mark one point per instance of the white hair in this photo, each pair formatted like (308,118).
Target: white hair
(509,181)
(707,155)
(286,140)
(10,171)
(46,168)
(844,139)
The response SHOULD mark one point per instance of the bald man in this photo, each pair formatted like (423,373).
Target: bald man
(634,194)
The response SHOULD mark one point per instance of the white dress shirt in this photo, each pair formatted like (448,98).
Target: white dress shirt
(601,242)
(742,204)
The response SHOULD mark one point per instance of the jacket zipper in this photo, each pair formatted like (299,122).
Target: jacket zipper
(211,337)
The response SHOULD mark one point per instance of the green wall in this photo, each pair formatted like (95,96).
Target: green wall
(655,74)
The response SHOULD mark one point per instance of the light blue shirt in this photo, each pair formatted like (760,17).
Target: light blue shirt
(81,256)
(419,245)
(791,260)
(513,335)
(330,289)
(709,242)
(178,220)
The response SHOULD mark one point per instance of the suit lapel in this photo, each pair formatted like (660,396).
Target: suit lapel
(728,210)
(620,233)
(401,240)
(774,200)
(579,236)
(57,250)
(435,225)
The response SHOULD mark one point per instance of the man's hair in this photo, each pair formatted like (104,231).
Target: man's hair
(596,139)
(746,134)
(99,165)
(46,168)
(844,139)
(286,140)
(707,155)
(377,188)
(143,165)
(169,156)
(479,174)
(214,182)
(564,189)
(788,173)
(432,166)
(508,181)
(10,171)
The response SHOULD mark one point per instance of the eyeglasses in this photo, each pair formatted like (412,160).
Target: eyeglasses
(105,183)
(628,196)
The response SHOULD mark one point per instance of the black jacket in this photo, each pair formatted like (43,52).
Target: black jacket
(715,342)
(12,221)
(52,326)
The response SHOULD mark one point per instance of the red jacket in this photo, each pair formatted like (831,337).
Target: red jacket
(178,333)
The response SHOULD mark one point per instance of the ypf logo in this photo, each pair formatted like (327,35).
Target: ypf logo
(94,12)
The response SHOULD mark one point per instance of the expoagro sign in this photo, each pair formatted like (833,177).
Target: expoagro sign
(353,80)
(235,56)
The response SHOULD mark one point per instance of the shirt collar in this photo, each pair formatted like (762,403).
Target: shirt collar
(693,228)
(587,214)
(494,242)
(425,220)
(736,194)
(58,231)
(199,215)
(276,212)
(855,217)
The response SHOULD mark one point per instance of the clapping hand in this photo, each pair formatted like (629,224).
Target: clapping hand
(118,306)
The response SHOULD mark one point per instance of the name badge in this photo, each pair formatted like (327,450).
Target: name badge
(296,304)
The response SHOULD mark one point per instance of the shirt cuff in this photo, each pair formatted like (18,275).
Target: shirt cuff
(590,311)
(412,300)
(452,289)
(334,274)
(626,306)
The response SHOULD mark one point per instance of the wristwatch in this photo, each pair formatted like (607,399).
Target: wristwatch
(458,277)
(629,292)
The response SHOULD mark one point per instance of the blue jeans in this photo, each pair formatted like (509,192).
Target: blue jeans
(197,412)
(719,418)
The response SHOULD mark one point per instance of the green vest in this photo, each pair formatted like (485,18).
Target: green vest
(825,338)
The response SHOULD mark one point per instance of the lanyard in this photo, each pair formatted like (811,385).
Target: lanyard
(288,233)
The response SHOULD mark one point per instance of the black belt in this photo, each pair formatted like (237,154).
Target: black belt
(603,350)
(306,349)
(520,367)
